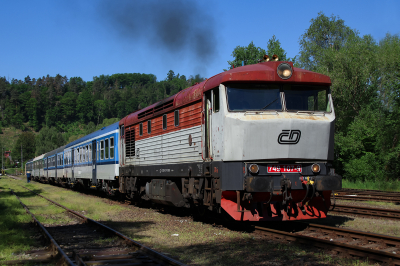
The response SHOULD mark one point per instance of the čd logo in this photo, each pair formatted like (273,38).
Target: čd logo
(289,136)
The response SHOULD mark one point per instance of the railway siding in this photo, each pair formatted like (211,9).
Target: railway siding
(375,247)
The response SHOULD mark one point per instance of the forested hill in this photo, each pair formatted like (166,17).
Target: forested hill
(65,108)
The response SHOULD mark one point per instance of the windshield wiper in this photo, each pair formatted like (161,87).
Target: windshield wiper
(269,104)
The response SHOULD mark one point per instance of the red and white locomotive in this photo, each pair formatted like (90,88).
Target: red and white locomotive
(255,141)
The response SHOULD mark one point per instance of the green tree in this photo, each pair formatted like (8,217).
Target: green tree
(84,107)
(170,75)
(250,55)
(32,110)
(100,107)
(27,141)
(274,47)
(68,107)
(324,34)
(48,139)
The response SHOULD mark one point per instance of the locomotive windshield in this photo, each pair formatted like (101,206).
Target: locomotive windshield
(306,98)
(259,97)
(251,97)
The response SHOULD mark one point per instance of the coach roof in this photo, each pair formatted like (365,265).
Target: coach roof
(102,131)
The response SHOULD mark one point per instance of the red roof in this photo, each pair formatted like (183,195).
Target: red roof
(262,72)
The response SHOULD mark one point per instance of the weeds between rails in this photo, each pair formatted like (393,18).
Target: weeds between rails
(90,251)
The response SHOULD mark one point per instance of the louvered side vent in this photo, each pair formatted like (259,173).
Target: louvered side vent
(130,143)
(146,113)
(164,106)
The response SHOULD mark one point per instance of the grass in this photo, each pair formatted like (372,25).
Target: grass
(16,233)
(373,185)
(197,243)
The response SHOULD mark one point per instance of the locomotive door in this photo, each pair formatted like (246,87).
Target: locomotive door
(207,151)
(94,152)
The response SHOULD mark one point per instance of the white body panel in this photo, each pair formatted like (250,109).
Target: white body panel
(169,148)
(239,136)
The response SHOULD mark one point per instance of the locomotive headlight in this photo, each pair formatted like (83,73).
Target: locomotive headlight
(253,168)
(315,168)
(284,71)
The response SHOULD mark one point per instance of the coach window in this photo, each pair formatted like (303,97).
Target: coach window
(149,126)
(98,151)
(112,148)
(176,118)
(90,152)
(140,129)
(164,121)
(87,153)
(106,149)
(102,150)
(83,154)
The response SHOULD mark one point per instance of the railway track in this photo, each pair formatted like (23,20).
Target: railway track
(367,191)
(374,247)
(367,197)
(81,243)
(368,212)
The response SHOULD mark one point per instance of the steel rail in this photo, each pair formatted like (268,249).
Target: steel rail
(344,241)
(366,211)
(357,190)
(54,244)
(368,198)
(144,249)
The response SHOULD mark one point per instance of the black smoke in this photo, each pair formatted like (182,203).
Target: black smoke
(176,26)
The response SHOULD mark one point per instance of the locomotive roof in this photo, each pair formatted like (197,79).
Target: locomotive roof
(94,134)
(261,72)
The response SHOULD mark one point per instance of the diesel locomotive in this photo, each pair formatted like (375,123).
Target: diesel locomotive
(255,142)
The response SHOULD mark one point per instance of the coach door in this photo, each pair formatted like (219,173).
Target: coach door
(94,152)
(73,163)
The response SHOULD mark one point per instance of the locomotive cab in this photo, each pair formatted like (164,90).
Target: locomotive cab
(279,137)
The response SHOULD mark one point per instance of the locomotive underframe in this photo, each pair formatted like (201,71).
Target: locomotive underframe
(211,184)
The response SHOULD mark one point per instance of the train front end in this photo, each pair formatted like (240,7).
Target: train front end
(272,143)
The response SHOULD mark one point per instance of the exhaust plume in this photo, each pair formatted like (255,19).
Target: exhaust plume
(177,26)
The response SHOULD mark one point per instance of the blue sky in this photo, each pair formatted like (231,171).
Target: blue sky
(89,38)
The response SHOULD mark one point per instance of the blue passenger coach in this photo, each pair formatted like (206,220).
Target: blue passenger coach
(92,161)
(53,165)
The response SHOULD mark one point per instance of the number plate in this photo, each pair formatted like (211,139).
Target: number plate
(284,168)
